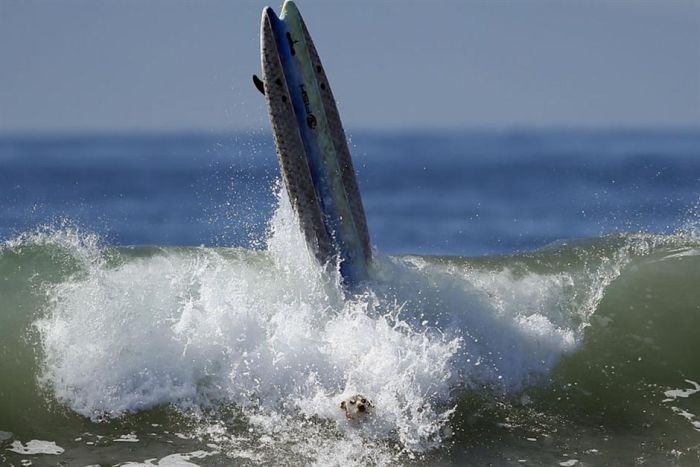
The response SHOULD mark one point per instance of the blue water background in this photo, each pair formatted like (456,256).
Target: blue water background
(452,192)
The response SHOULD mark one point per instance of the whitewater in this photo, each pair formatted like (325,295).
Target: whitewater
(534,301)
(206,356)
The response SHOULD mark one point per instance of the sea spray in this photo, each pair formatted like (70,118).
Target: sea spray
(270,330)
(259,347)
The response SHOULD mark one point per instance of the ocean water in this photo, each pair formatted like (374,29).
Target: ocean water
(534,301)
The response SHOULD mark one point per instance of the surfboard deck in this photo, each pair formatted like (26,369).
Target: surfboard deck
(312,149)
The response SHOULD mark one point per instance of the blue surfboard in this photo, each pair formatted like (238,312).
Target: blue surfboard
(312,150)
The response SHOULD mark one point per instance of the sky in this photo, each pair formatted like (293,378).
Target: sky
(173,65)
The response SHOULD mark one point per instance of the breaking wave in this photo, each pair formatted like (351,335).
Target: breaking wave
(258,347)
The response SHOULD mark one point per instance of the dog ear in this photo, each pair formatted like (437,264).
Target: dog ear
(342,405)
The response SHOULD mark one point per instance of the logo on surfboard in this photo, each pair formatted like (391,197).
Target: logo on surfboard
(310,117)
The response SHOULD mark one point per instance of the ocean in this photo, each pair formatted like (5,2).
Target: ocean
(535,301)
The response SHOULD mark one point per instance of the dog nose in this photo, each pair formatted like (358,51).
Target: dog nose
(361,408)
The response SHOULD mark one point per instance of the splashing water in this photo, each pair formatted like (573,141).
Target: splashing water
(272,333)
(258,348)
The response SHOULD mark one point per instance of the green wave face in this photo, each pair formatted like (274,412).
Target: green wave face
(584,350)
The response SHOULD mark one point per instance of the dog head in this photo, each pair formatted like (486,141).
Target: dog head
(356,407)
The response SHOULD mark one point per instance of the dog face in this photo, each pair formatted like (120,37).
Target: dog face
(356,407)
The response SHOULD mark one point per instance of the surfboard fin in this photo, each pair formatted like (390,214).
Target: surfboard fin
(259,84)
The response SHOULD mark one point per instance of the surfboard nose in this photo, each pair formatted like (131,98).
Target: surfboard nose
(268,14)
(269,23)
(289,8)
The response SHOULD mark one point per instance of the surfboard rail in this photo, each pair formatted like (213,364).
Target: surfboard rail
(314,157)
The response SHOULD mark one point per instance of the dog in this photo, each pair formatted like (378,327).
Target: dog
(357,407)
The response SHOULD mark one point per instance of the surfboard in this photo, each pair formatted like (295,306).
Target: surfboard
(311,146)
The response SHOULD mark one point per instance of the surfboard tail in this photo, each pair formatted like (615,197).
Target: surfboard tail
(313,153)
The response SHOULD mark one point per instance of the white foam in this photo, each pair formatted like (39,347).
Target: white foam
(275,334)
(35,447)
(673,394)
(569,463)
(128,438)
(173,460)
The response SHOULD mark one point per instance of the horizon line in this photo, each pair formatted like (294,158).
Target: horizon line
(255,132)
